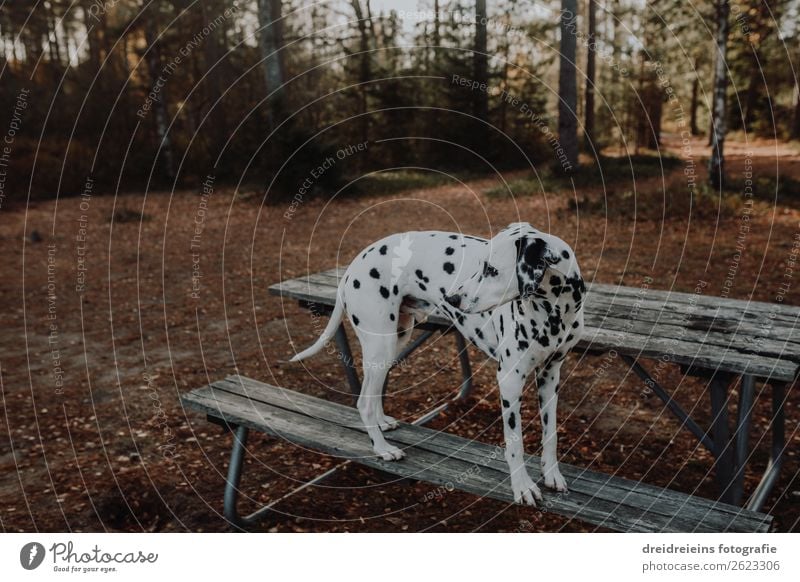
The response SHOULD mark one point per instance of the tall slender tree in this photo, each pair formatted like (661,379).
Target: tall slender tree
(480,63)
(693,127)
(159,88)
(271,42)
(716,163)
(567,84)
(588,125)
(365,67)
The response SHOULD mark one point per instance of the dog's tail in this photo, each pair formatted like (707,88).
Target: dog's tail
(330,329)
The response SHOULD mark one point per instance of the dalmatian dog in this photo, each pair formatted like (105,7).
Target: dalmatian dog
(517,297)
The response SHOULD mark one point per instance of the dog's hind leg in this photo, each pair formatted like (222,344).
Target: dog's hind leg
(378,350)
(548,380)
(405,327)
(511,383)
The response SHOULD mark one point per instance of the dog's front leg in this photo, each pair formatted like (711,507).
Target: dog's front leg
(523,487)
(548,380)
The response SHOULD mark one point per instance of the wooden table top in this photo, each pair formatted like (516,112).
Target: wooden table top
(692,329)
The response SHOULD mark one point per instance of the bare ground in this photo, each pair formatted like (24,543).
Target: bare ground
(112,449)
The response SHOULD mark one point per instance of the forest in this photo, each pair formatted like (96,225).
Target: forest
(161,94)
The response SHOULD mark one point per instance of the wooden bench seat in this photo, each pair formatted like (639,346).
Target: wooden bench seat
(445,459)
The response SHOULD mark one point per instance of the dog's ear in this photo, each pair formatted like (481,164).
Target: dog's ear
(531,264)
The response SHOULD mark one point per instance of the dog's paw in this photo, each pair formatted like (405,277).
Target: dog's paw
(526,492)
(553,479)
(387,423)
(389,452)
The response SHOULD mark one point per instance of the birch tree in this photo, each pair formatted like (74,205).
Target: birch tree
(716,163)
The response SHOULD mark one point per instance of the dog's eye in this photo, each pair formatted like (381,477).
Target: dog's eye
(489,271)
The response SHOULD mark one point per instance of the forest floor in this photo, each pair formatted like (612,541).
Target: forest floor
(98,440)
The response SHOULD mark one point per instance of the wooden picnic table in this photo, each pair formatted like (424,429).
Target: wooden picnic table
(717,338)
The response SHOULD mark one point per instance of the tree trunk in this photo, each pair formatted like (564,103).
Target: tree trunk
(214,48)
(365,70)
(92,35)
(437,35)
(480,64)
(160,111)
(693,107)
(796,128)
(53,43)
(588,129)
(752,96)
(716,164)
(567,87)
(270,42)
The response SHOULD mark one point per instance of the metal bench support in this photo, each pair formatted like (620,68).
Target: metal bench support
(730,449)
(777,450)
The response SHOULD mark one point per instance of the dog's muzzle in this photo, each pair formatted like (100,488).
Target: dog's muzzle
(454,300)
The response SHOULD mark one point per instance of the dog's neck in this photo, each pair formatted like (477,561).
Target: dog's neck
(558,289)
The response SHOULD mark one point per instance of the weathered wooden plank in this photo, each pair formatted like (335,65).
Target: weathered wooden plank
(708,357)
(618,503)
(780,315)
(768,354)
(421,465)
(697,299)
(695,328)
(592,484)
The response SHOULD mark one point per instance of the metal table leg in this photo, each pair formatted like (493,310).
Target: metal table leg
(466,369)
(667,399)
(723,447)
(778,448)
(741,437)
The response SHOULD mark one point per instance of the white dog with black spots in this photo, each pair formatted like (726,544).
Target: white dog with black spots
(517,297)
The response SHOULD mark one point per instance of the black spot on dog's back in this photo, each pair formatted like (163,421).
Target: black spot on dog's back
(355,320)
(384,292)
(356,283)
(395,290)
(383,249)
(449,268)
(449,251)
(374,273)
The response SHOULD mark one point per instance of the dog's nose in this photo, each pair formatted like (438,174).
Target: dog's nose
(454,300)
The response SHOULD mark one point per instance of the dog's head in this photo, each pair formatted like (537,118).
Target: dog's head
(514,267)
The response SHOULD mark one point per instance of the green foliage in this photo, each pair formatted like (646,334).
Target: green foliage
(393,181)
(608,172)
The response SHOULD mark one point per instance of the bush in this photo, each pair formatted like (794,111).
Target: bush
(44,161)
